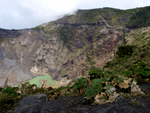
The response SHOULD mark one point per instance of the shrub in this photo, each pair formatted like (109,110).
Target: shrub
(31,89)
(8,99)
(95,72)
(117,79)
(10,91)
(132,67)
(102,82)
(97,85)
(7,102)
(81,83)
(1,89)
(127,73)
(124,51)
(95,89)
(91,92)
(143,70)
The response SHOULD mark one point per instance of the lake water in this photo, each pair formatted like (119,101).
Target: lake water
(48,78)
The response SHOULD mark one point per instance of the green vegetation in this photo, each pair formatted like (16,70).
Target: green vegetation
(81,83)
(86,16)
(95,72)
(8,98)
(10,91)
(140,18)
(124,51)
(102,81)
(131,66)
(95,89)
(64,71)
(132,59)
(6,39)
(132,18)
(1,40)
(90,60)
(91,16)
(142,69)
(39,28)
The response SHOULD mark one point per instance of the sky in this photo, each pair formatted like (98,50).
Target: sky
(21,14)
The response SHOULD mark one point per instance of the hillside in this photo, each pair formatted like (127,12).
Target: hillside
(66,48)
(137,43)
(131,18)
(97,86)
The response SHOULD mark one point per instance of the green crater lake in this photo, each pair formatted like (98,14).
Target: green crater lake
(48,78)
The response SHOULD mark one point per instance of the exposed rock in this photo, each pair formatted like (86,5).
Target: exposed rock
(19,92)
(135,88)
(126,83)
(45,71)
(43,82)
(64,81)
(35,70)
(40,96)
(112,97)
(32,104)
(99,99)
(111,89)
(29,103)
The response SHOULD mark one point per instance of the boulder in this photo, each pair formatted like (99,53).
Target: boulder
(28,104)
(135,88)
(99,99)
(113,97)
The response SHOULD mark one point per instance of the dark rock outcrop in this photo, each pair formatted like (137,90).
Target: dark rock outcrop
(38,104)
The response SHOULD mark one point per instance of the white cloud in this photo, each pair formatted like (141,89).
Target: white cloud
(18,14)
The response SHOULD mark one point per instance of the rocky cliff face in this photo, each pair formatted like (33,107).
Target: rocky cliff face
(63,49)
(17,52)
